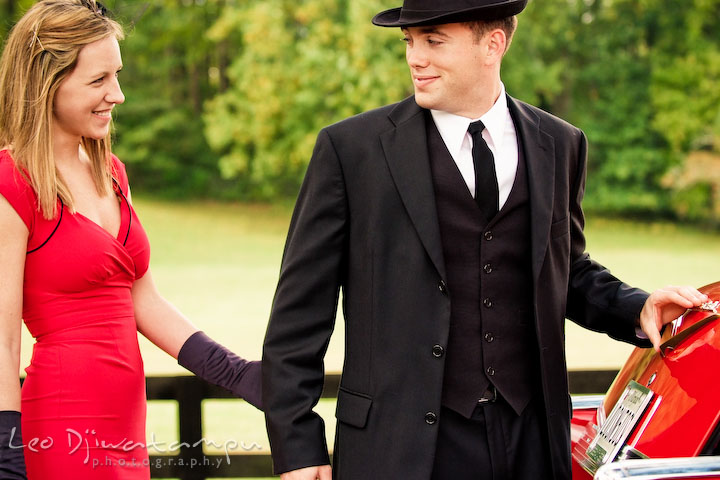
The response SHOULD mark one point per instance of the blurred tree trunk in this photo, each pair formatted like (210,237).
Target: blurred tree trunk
(195,88)
(223,62)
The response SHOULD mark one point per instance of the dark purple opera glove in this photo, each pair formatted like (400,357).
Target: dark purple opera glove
(216,364)
(12,459)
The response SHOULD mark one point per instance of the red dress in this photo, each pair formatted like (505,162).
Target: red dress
(83,400)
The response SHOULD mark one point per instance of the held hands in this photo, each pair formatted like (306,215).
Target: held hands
(665,305)
(322,472)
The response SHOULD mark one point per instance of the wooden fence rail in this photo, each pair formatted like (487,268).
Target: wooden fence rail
(189,392)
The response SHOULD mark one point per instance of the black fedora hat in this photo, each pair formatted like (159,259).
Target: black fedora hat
(435,12)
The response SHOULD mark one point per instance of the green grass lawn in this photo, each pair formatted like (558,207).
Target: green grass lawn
(218,263)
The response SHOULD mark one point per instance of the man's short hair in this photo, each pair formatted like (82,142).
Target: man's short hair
(481,27)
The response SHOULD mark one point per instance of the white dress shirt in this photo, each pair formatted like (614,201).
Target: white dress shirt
(500,136)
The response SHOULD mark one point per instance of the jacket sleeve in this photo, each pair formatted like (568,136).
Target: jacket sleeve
(596,299)
(303,314)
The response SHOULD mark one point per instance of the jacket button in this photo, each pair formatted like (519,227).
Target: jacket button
(438,351)
(430,418)
(490,371)
(488,235)
(489,337)
(442,287)
(488,268)
(488,303)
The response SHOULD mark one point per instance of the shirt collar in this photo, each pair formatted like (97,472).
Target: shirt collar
(495,120)
(453,127)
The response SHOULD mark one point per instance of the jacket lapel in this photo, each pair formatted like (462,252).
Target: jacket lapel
(405,149)
(406,153)
(539,150)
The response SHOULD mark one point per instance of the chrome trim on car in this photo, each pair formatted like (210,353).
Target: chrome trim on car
(630,453)
(586,402)
(710,306)
(661,468)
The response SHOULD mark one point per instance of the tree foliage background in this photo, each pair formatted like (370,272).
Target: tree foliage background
(225,97)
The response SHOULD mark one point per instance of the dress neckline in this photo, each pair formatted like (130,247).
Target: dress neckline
(125,216)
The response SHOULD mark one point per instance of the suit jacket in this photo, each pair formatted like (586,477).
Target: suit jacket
(366,222)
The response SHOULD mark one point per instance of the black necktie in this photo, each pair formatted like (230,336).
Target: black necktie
(486,187)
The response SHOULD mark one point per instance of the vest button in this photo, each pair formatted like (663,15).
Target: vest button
(438,351)
(488,268)
(490,371)
(488,235)
(489,337)
(442,287)
(488,303)
(430,418)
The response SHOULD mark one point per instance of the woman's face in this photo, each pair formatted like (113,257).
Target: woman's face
(85,99)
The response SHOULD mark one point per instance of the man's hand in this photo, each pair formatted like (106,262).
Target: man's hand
(665,305)
(322,472)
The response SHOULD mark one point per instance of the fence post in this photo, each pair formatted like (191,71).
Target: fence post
(190,399)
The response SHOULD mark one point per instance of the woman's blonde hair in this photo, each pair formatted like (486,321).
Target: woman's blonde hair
(41,51)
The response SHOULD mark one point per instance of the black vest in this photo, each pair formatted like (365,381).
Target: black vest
(489,278)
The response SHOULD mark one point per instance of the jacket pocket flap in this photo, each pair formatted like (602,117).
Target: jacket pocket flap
(353,408)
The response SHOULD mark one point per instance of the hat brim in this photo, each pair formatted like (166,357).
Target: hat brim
(392,17)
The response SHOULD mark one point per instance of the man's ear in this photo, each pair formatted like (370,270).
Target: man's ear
(496,45)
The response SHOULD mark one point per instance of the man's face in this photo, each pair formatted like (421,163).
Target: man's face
(446,63)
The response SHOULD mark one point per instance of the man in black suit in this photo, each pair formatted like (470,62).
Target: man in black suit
(452,222)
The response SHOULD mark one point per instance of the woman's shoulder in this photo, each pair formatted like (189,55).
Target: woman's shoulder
(11,178)
(16,189)
(118,172)
(6,161)
(116,162)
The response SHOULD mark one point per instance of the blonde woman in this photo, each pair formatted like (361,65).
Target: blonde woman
(74,260)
